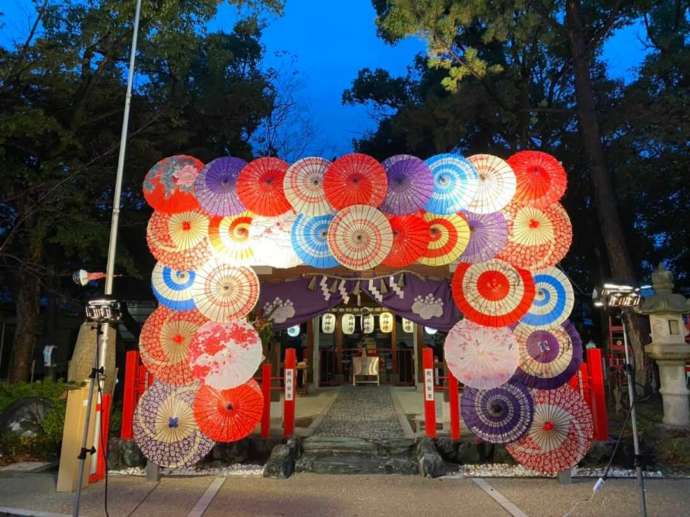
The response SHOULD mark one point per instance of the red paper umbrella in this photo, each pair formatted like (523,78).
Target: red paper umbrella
(492,293)
(360,237)
(560,435)
(355,179)
(541,179)
(449,236)
(169,185)
(164,344)
(260,186)
(228,415)
(538,237)
(411,238)
(179,240)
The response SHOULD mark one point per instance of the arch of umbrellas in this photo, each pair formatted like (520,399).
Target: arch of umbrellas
(498,221)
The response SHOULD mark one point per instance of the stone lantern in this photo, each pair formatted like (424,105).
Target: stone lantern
(668,347)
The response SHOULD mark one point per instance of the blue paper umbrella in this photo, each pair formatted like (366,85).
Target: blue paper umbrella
(553,301)
(172,288)
(310,240)
(456,182)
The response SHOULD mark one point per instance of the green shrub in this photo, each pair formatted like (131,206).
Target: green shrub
(52,390)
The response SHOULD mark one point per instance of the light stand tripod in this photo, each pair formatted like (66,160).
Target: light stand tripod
(102,312)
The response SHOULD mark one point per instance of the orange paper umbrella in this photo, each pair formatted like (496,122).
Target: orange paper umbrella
(164,344)
(355,179)
(222,291)
(260,186)
(538,237)
(496,184)
(492,293)
(225,355)
(228,415)
(179,240)
(541,179)
(169,185)
(303,186)
(449,236)
(230,239)
(411,238)
(360,237)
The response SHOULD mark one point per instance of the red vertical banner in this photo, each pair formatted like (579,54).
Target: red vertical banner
(598,394)
(454,406)
(429,402)
(266,391)
(289,399)
(129,395)
(584,384)
(102,445)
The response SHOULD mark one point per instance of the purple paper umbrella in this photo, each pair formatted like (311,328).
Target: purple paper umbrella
(488,236)
(215,186)
(410,184)
(165,429)
(548,357)
(498,415)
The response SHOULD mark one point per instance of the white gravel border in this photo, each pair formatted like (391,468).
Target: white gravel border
(235,470)
(502,470)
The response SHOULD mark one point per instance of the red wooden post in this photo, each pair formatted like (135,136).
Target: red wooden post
(584,384)
(266,391)
(289,400)
(129,397)
(102,446)
(454,406)
(429,402)
(598,394)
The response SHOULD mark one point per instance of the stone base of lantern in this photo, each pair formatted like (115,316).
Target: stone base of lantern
(671,359)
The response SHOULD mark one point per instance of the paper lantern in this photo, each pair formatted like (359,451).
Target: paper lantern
(348,324)
(328,323)
(368,323)
(386,322)
(407,326)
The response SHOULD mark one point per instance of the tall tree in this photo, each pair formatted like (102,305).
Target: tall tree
(61,94)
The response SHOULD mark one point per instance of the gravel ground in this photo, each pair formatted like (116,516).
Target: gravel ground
(362,412)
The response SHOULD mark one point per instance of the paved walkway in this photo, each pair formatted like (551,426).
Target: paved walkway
(325,496)
(362,412)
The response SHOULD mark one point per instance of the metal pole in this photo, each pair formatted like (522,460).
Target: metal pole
(633,419)
(114,222)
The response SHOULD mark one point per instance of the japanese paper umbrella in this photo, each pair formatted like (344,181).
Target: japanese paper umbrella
(560,434)
(449,236)
(222,291)
(165,429)
(488,236)
(480,357)
(169,185)
(310,240)
(260,186)
(303,186)
(216,186)
(538,238)
(410,184)
(411,238)
(360,237)
(455,183)
(179,240)
(492,293)
(553,301)
(225,355)
(548,357)
(164,344)
(355,179)
(497,415)
(541,179)
(229,238)
(228,415)
(496,184)
(173,288)
(272,241)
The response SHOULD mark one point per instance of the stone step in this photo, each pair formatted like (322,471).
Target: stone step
(344,445)
(355,464)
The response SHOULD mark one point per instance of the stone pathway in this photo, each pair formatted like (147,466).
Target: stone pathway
(365,412)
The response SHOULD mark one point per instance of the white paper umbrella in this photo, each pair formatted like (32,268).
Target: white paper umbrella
(225,355)
(481,357)
(303,186)
(222,291)
(496,184)
(272,241)
(360,237)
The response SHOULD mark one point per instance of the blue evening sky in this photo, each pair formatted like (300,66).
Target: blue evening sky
(326,43)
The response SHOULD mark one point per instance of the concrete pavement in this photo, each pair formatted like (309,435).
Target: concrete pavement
(324,496)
